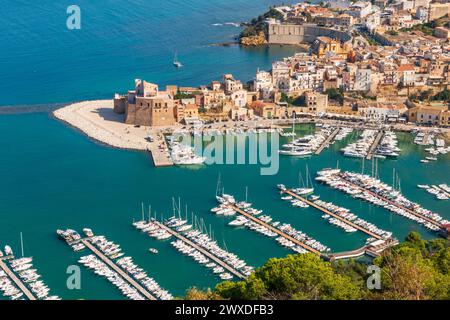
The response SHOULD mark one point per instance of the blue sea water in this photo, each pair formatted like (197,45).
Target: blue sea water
(52,177)
(42,61)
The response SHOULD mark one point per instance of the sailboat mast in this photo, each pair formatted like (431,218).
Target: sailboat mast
(142,211)
(246,194)
(21,244)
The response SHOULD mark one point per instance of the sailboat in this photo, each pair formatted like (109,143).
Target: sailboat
(177,63)
(293,150)
(308,188)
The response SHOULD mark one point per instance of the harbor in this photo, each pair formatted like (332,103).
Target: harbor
(288,236)
(198,186)
(107,260)
(197,245)
(378,235)
(19,280)
(378,193)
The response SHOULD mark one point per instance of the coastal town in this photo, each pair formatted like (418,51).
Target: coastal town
(394,73)
(290,184)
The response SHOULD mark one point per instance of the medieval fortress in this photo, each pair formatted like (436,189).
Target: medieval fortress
(280,33)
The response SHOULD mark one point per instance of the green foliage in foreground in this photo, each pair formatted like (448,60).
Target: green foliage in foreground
(414,270)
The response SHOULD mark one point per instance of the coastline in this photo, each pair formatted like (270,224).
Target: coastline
(87,116)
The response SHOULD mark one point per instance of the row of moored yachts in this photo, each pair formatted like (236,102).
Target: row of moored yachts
(379,193)
(113,252)
(307,145)
(441,192)
(23,269)
(227,200)
(200,239)
(388,146)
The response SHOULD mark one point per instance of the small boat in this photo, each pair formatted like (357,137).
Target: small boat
(424,161)
(177,63)
(423,186)
(153,250)
(431,158)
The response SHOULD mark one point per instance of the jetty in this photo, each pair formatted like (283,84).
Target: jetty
(200,249)
(119,270)
(373,249)
(273,229)
(312,204)
(374,145)
(16,280)
(392,202)
(327,142)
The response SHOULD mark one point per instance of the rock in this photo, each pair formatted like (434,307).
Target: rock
(258,40)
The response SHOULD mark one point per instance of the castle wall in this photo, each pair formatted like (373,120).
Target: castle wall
(295,34)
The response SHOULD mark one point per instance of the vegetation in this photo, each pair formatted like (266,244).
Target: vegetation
(442,96)
(258,24)
(414,270)
(298,101)
(336,95)
(392,33)
(426,95)
(182,95)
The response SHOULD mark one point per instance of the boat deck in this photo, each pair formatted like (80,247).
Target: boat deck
(202,250)
(16,280)
(119,270)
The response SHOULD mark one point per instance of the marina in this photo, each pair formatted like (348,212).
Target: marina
(338,213)
(197,245)
(107,260)
(376,192)
(287,235)
(19,280)
(374,146)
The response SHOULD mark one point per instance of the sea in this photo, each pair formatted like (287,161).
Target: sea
(53,177)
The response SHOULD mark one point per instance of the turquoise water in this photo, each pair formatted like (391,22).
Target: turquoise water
(52,177)
(42,61)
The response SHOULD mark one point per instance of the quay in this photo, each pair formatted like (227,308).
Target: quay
(312,204)
(122,273)
(393,203)
(327,142)
(273,229)
(16,280)
(202,250)
(374,146)
(158,153)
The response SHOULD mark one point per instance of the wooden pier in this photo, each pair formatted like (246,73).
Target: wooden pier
(202,250)
(312,204)
(327,142)
(17,281)
(273,229)
(374,145)
(119,270)
(393,203)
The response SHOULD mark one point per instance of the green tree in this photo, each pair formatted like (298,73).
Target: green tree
(303,276)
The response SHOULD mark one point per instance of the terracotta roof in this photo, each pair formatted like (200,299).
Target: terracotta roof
(405,67)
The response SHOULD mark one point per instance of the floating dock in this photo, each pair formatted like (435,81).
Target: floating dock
(202,250)
(273,229)
(374,145)
(16,280)
(373,249)
(327,142)
(119,270)
(312,204)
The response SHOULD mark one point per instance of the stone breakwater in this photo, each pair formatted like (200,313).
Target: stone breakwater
(98,121)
